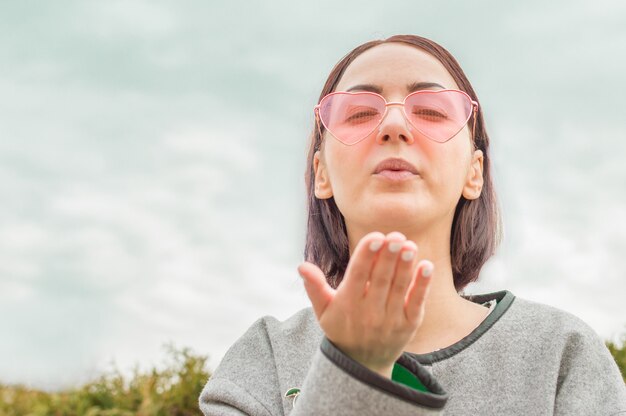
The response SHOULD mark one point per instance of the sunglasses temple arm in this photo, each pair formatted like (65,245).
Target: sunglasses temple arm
(317,123)
(474,128)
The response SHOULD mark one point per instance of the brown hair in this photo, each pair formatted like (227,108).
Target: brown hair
(476,226)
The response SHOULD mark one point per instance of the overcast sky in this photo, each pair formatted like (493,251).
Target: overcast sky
(152,157)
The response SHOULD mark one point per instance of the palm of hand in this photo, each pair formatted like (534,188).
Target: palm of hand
(379,305)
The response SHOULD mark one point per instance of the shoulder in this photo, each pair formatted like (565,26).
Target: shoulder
(554,330)
(300,322)
(295,339)
(300,326)
(268,337)
(537,316)
(249,374)
(588,377)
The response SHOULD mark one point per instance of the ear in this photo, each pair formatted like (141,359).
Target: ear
(323,187)
(474,181)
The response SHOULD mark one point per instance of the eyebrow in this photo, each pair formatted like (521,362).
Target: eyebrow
(410,87)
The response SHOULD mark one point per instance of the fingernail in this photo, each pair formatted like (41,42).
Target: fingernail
(408,255)
(376,245)
(427,270)
(395,246)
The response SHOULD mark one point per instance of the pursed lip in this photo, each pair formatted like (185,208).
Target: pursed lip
(395,163)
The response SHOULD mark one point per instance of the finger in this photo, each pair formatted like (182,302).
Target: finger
(405,272)
(317,288)
(384,271)
(360,265)
(418,291)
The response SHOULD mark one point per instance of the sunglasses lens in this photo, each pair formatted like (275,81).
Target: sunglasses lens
(439,115)
(351,117)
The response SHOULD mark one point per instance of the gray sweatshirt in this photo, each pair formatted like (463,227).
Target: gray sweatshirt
(525,358)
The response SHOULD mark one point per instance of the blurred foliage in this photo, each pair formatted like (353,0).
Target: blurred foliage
(619,354)
(173,391)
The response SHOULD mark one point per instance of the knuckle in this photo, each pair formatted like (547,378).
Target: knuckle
(399,287)
(381,281)
(402,284)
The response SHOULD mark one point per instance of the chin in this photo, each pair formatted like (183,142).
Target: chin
(396,211)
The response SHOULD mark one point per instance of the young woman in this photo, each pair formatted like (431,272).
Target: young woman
(402,216)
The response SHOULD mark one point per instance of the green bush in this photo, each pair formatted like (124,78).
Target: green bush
(619,354)
(173,391)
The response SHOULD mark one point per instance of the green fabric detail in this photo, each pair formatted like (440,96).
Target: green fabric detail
(292,392)
(404,376)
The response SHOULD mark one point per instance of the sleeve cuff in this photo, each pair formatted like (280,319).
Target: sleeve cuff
(433,397)
(337,384)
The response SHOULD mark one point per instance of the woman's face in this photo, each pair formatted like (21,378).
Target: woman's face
(445,170)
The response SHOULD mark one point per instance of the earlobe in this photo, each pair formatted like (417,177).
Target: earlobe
(323,188)
(474,182)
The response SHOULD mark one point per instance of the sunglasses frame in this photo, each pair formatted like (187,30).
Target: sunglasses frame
(318,119)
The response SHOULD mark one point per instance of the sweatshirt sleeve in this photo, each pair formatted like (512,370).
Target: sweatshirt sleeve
(589,381)
(337,384)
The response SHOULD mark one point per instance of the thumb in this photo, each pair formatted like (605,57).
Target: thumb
(318,290)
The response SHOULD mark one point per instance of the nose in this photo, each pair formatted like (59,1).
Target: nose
(395,125)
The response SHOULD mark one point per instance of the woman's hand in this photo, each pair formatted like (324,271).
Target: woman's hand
(379,304)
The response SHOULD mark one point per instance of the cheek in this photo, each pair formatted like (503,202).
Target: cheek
(353,188)
(345,172)
(448,171)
